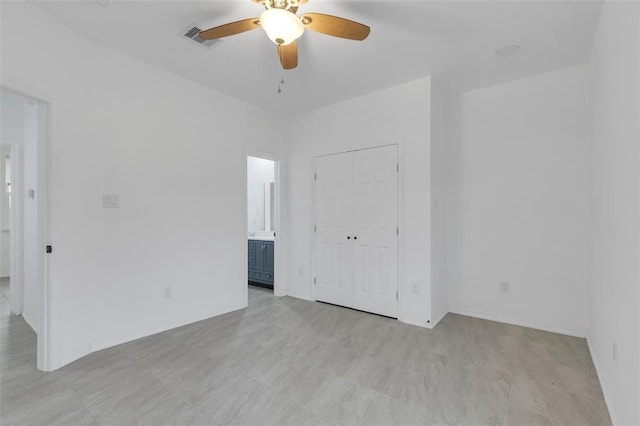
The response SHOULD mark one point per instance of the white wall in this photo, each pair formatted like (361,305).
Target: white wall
(615,279)
(401,113)
(441,111)
(11,117)
(171,149)
(518,206)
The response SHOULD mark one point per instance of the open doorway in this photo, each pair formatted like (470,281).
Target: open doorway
(262,225)
(24,210)
(6,172)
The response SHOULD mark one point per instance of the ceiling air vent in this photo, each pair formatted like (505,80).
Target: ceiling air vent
(192,33)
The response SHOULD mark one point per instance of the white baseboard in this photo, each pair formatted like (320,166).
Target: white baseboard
(68,359)
(403,320)
(100,344)
(603,382)
(308,299)
(519,322)
(416,323)
(30,322)
(435,322)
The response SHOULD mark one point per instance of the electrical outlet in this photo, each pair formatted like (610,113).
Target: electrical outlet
(414,288)
(614,351)
(504,286)
(111,201)
(168,292)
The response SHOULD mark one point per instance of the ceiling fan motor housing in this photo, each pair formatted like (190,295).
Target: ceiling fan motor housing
(290,5)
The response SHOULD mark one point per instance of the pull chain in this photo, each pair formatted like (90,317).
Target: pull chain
(281,84)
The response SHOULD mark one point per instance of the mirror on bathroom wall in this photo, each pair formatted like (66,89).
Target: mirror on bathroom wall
(260,195)
(260,207)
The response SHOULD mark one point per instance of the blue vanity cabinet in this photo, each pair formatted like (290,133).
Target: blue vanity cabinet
(251,254)
(268,258)
(260,257)
(259,264)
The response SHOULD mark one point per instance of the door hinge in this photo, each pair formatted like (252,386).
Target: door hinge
(397,230)
(314,280)
(398,167)
(314,228)
(315,176)
(49,249)
(396,295)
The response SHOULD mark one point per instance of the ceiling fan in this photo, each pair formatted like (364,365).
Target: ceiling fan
(284,27)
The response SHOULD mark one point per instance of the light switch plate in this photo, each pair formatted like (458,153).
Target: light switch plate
(111,201)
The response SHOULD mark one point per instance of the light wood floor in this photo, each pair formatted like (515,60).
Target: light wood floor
(284,361)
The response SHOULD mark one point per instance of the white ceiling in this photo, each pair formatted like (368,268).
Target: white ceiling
(453,40)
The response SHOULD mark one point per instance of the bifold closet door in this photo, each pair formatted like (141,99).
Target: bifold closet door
(375,221)
(356,248)
(333,223)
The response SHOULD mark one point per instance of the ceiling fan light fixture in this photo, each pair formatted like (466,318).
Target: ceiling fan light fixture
(281,26)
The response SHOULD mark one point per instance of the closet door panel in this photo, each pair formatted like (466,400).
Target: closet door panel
(333,205)
(375,221)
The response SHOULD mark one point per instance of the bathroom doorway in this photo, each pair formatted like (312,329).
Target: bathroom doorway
(262,226)
(6,219)
(24,215)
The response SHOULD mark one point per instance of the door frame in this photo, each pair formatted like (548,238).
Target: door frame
(45,359)
(279,288)
(16,230)
(399,142)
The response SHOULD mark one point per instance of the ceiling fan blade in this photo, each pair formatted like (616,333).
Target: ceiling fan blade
(230,29)
(335,26)
(288,55)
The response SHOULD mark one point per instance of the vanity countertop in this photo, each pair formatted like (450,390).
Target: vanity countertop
(265,238)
